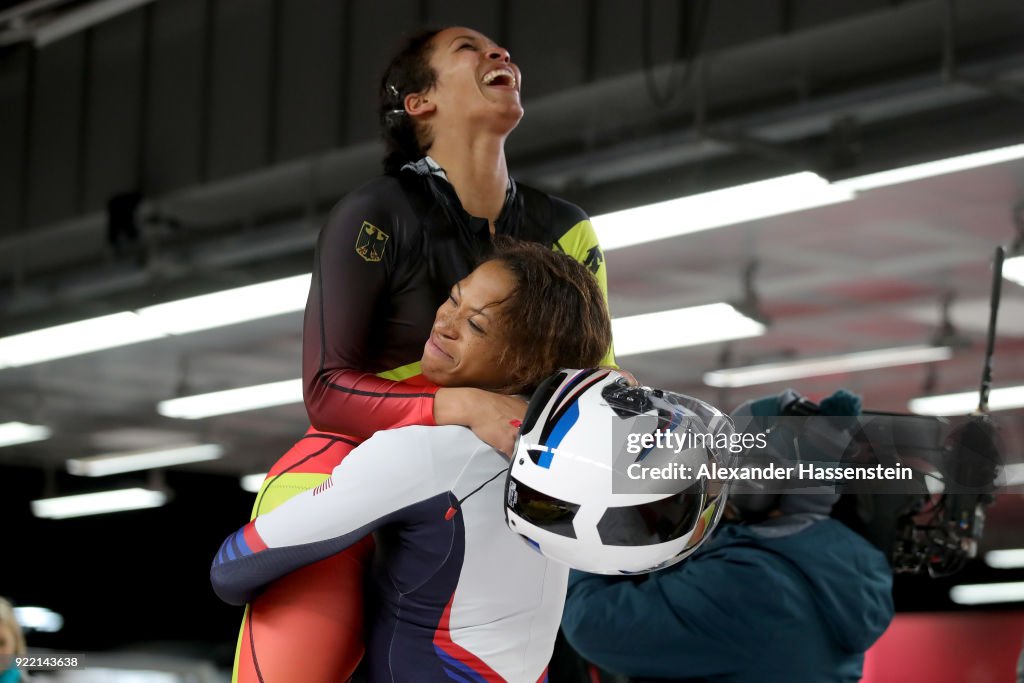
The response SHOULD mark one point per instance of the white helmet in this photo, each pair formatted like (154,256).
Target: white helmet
(580,490)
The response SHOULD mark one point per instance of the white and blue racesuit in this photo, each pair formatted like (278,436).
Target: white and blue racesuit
(459,596)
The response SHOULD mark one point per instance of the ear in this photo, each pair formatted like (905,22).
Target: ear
(418,104)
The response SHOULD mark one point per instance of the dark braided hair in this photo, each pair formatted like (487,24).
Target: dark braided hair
(556,317)
(409,72)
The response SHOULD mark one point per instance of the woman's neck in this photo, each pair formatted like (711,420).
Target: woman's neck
(477,171)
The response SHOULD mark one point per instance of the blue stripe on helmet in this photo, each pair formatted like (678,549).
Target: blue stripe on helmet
(565,423)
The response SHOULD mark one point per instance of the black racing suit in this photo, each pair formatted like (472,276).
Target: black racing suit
(385,260)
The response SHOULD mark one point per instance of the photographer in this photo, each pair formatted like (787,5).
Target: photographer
(783,593)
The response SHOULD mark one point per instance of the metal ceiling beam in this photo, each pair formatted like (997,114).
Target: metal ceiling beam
(25,23)
(78,20)
(18,13)
(555,123)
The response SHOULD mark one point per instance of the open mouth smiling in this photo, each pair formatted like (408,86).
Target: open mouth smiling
(500,77)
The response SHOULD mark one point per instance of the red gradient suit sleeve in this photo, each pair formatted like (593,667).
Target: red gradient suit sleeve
(355,257)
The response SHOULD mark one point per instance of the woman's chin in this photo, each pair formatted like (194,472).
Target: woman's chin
(431,373)
(512,114)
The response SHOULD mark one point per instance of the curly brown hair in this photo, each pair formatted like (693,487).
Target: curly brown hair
(556,317)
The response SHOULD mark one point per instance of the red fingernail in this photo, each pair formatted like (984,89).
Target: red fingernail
(516,423)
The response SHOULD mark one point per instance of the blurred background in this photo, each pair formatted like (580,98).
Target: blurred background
(834,175)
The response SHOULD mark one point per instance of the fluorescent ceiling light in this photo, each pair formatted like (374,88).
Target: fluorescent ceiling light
(681,327)
(115,463)
(233,400)
(1013,269)
(98,503)
(1007,398)
(72,339)
(218,309)
(1012,474)
(38,619)
(229,306)
(932,168)
(738,204)
(633,335)
(829,365)
(1005,559)
(987,593)
(13,433)
(116,672)
(253,482)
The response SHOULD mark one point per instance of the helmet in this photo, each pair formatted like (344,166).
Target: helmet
(582,489)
